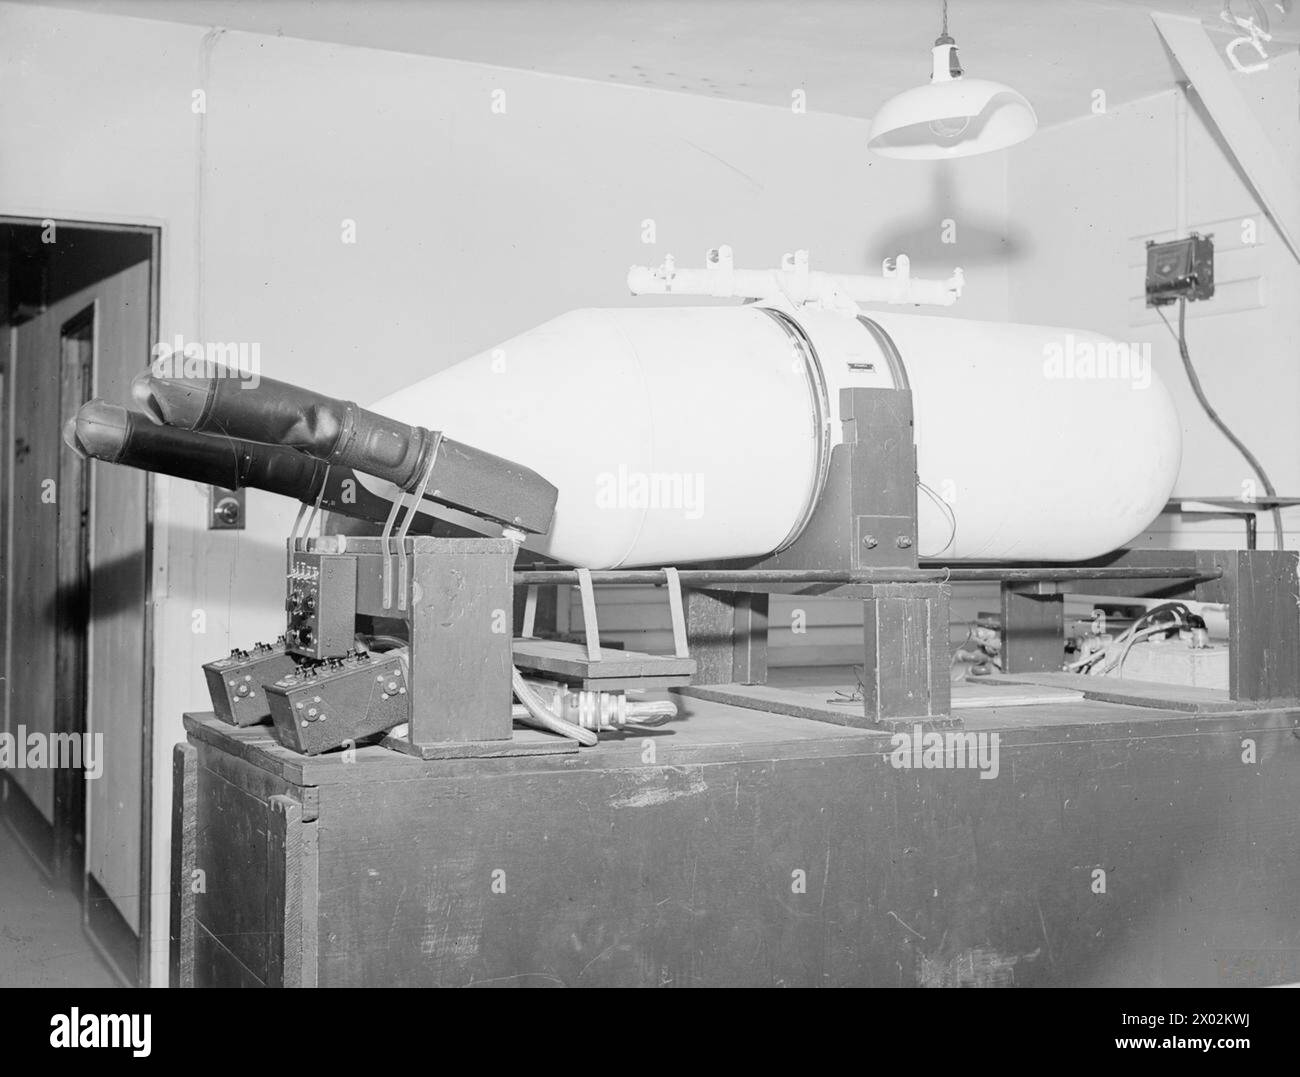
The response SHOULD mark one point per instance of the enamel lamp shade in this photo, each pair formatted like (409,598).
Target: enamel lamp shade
(952,116)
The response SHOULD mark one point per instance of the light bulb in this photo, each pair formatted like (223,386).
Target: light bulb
(950,126)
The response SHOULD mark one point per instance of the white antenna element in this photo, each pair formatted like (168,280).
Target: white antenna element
(796,283)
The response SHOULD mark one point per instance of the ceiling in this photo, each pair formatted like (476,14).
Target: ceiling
(848,55)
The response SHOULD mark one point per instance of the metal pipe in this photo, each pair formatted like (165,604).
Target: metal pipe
(707,577)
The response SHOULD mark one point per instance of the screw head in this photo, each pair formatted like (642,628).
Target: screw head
(904,542)
(869,541)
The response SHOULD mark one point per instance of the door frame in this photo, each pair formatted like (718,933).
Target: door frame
(72,625)
(153,229)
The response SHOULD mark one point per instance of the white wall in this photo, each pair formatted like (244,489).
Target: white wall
(1084,196)
(470,226)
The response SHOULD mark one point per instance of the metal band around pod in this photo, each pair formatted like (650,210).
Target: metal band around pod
(821,416)
(892,355)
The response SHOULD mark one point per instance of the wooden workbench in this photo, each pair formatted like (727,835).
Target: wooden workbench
(752,848)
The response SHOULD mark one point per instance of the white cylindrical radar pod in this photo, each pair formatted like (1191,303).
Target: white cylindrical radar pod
(686,434)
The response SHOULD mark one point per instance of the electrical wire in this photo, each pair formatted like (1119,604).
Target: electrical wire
(1181,337)
(1117,661)
(539,715)
(543,717)
(1112,655)
(947,510)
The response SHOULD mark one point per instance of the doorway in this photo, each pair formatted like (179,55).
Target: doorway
(78,315)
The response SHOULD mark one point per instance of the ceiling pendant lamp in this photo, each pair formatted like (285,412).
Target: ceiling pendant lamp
(952,116)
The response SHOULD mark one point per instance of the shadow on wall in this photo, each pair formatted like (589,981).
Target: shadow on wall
(119,584)
(944,235)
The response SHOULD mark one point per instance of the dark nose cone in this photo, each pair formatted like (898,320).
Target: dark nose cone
(70,438)
(98,430)
(173,401)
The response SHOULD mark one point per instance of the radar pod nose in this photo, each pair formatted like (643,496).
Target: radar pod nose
(99,429)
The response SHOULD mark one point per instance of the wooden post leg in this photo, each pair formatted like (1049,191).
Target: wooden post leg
(1033,628)
(185,801)
(1260,588)
(461,631)
(292,898)
(727,631)
(906,654)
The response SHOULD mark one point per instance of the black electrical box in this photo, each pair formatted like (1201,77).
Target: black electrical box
(1180,269)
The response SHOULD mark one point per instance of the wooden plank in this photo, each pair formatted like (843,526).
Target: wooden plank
(1254,154)
(840,703)
(76,360)
(184,841)
(703,732)
(216,966)
(118,801)
(291,873)
(1033,629)
(979,694)
(232,853)
(461,622)
(799,703)
(525,742)
(1260,587)
(571,660)
(906,661)
(1172,697)
(34,580)
(258,747)
(727,631)
(8,364)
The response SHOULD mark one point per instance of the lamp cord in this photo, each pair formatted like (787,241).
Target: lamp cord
(943,38)
(1237,443)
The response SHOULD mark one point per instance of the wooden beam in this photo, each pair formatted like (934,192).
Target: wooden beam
(1245,139)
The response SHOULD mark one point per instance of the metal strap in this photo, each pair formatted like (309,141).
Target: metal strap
(315,509)
(402,573)
(821,417)
(530,611)
(385,535)
(293,538)
(680,648)
(590,628)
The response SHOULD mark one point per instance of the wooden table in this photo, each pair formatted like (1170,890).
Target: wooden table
(1118,845)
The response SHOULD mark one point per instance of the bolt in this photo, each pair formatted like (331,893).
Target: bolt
(227,512)
(869,541)
(904,542)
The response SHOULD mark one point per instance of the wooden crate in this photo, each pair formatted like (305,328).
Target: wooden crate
(751,848)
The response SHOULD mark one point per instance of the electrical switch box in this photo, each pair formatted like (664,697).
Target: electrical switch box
(1180,269)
